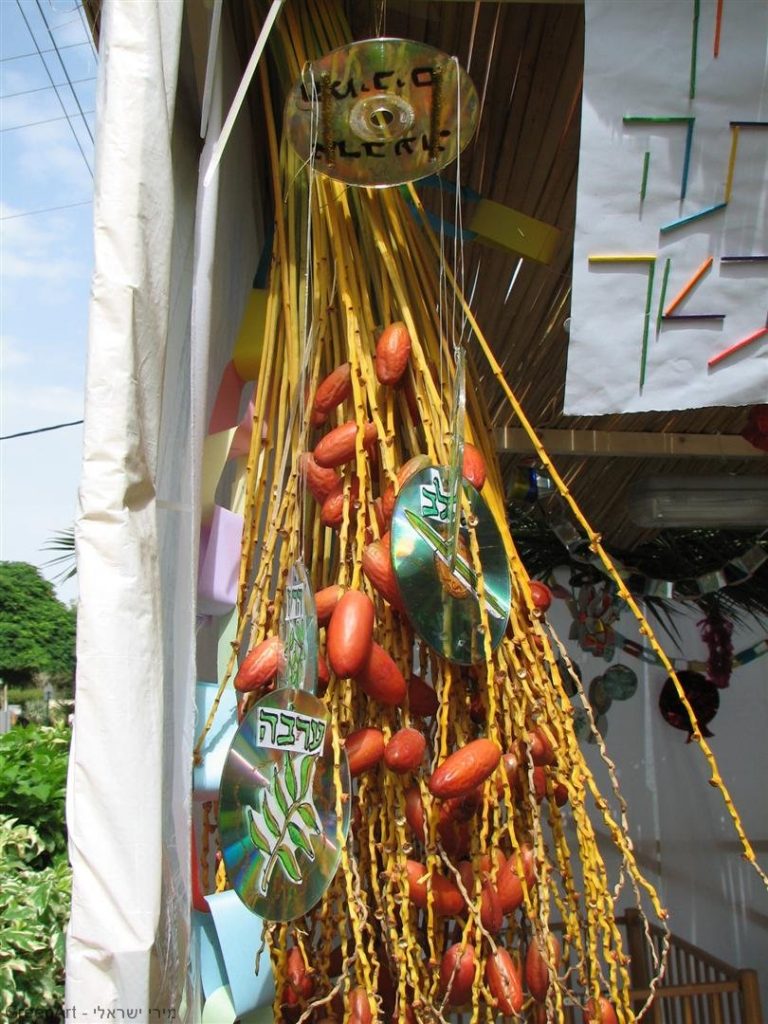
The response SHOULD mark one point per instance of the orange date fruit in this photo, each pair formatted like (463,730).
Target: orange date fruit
(504,981)
(331,391)
(393,350)
(405,751)
(465,769)
(339,445)
(365,748)
(260,664)
(350,633)
(380,677)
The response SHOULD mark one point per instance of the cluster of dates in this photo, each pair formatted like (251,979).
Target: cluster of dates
(458,782)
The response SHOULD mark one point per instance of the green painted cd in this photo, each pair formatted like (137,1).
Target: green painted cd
(441,598)
(382,112)
(620,682)
(281,836)
(598,695)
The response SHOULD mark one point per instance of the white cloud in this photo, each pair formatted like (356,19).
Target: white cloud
(40,405)
(13,353)
(35,248)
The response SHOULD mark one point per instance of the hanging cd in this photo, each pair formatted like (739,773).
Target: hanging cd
(440,592)
(282,819)
(382,112)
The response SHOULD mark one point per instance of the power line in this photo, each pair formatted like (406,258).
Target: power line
(37,53)
(50,78)
(43,88)
(47,120)
(46,209)
(64,69)
(87,29)
(40,430)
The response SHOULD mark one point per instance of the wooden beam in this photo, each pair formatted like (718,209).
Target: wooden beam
(628,444)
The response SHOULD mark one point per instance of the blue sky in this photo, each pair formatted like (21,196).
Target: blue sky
(45,267)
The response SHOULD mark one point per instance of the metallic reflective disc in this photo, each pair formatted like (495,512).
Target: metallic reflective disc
(598,696)
(619,682)
(281,836)
(441,601)
(298,631)
(382,112)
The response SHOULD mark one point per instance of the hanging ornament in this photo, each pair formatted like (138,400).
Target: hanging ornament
(716,633)
(382,112)
(619,682)
(598,697)
(282,818)
(702,695)
(595,611)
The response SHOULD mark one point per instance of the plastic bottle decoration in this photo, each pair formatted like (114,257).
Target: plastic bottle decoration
(703,696)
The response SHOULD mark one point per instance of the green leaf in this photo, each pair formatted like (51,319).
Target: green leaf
(269,818)
(300,841)
(290,778)
(305,774)
(257,838)
(277,791)
(289,864)
(308,815)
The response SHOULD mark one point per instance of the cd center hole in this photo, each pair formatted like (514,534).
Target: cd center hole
(382,117)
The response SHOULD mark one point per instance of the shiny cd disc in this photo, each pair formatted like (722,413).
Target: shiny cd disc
(382,112)
(441,599)
(281,835)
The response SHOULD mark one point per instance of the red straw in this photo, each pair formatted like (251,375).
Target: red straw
(739,344)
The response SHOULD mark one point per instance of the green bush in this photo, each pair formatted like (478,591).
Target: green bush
(21,694)
(33,775)
(34,906)
(35,878)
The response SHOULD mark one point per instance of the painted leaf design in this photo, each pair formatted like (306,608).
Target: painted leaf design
(277,789)
(300,841)
(270,819)
(289,864)
(290,778)
(284,820)
(258,840)
(308,815)
(306,775)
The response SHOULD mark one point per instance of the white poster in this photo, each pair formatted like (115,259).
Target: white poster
(670,276)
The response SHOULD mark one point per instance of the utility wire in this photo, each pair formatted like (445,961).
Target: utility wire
(40,430)
(64,69)
(43,88)
(47,120)
(47,209)
(50,78)
(36,53)
(87,29)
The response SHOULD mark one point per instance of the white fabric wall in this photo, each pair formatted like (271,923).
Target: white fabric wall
(123,737)
(682,833)
(173,267)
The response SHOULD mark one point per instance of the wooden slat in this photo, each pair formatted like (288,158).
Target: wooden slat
(629,443)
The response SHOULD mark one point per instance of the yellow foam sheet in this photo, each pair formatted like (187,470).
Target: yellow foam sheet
(248,344)
(505,228)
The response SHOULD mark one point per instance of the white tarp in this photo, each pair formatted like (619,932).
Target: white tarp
(173,267)
(128,792)
(639,63)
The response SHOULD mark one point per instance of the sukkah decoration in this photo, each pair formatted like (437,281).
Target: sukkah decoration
(701,567)
(716,633)
(703,696)
(756,428)
(594,611)
(471,876)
